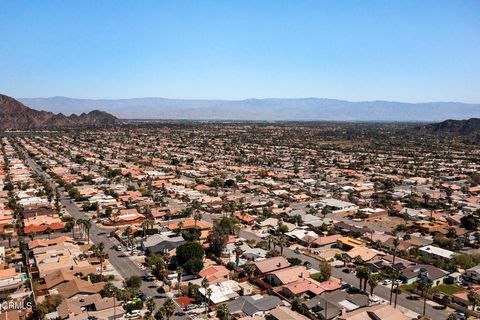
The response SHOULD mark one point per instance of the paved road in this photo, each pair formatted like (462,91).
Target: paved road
(125,267)
(350,278)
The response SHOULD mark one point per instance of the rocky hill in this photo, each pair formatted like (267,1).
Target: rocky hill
(16,116)
(467,129)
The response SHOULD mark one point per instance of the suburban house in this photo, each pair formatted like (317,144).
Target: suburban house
(423,271)
(162,242)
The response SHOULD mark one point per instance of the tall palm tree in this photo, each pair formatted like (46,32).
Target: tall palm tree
(168,308)
(73,221)
(474,298)
(179,276)
(100,253)
(151,305)
(87,223)
(281,242)
(424,286)
(145,225)
(238,253)
(362,273)
(373,281)
(128,231)
(197,217)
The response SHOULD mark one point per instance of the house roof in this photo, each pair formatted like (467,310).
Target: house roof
(284,313)
(414,271)
(250,305)
(57,277)
(190,223)
(381,311)
(214,273)
(271,264)
(364,253)
(76,286)
(45,243)
(290,274)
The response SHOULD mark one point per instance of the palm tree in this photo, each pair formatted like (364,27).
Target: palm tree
(197,217)
(249,269)
(100,253)
(373,281)
(9,237)
(179,276)
(180,226)
(168,308)
(396,242)
(238,253)
(128,231)
(209,295)
(145,225)
(223,313)
(343,258)
(87,223)
(205,285)
(281,242)
(424,286)
(151,305)
(73,221)
(474,298)
(362,273)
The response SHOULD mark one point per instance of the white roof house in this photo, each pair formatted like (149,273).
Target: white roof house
(436,252)
(222,291)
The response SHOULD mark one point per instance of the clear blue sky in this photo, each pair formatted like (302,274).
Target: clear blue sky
(356,50)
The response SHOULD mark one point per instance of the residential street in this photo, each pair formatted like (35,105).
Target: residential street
(123,265)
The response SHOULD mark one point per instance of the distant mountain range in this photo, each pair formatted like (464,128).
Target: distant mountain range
(16,116)
(261,109)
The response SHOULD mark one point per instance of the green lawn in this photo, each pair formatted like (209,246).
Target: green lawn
(408,287)
(448,288)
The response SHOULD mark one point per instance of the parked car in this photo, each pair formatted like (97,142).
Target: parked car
(413,297)
(459,315)
(307,264)
(118,248)
(398,282)
(346,270)
(132,314)
(387,282)
(375,301)
(297,251)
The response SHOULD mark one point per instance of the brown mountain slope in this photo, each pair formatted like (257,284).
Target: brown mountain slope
(16,116)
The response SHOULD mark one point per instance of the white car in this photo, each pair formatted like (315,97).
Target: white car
(398,282)
(132,314)
(387,282)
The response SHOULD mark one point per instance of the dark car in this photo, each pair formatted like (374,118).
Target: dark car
(148,278)
(346,270)
(413,297)
(354,290)
(307,264)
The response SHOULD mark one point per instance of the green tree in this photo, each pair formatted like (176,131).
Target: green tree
(223,313)
(189,250)
(133,283)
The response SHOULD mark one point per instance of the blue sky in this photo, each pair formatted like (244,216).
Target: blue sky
(356,50)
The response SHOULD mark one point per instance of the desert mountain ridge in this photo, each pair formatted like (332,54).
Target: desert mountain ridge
(16,116)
